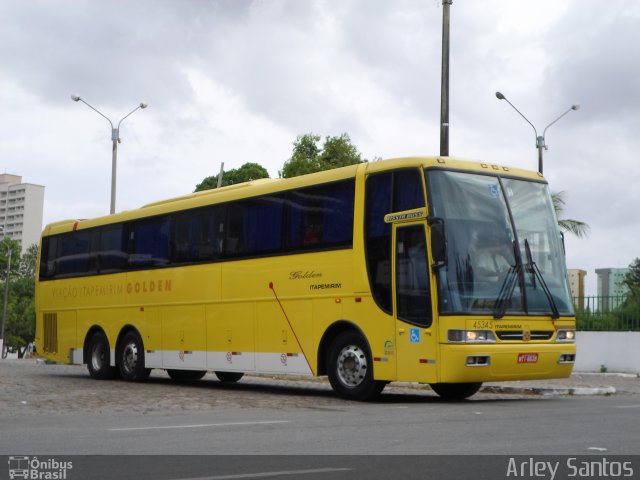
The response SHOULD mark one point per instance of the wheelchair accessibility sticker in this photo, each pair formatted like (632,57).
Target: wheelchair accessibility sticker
(414,335)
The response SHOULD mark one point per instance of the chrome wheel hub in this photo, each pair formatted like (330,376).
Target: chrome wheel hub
(352,366)
(97,357)
(130,358)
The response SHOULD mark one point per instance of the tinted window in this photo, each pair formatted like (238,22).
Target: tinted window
(149,243)
(321,217)
(197,235)
(74,253)
(112,255)
(255,227)
(407,190)
(48,257)
(387,192)
(298,220)
(378,238)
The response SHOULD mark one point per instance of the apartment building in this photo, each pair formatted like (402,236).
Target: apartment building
(21,206)
(576,283)
(611,286)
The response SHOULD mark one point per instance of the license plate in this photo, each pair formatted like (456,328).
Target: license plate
(528,358)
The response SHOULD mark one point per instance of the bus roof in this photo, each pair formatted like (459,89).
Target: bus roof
(271,185)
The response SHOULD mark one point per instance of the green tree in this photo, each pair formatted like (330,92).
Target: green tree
(17,299)
(21,315)
(308,157)
(28,262)
(247,172)
(578,228)
(7,244)
(632,278)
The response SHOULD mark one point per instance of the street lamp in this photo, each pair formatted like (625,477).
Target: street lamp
(540,142)
(115,138)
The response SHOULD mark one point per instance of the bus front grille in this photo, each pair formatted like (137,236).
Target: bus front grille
(50,322)
(520,335)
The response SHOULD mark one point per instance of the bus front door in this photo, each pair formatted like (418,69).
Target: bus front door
(416,340)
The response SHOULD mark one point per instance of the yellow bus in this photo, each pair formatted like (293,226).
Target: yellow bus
(432,270)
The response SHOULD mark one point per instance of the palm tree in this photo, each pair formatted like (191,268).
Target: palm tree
(578,228)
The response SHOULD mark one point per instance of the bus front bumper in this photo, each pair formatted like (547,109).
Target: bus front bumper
(503,362)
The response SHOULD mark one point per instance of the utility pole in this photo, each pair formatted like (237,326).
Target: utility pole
(444,87)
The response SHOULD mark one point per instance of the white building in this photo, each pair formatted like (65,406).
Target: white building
(611,287)
(21,206)
(576,284)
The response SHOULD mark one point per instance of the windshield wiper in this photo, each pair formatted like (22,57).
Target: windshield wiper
(533,269)
(506,291)
(514,275)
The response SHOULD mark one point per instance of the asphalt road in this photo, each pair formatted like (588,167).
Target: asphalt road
(59,410)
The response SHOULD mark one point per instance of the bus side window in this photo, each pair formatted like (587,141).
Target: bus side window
(112,252)
(74,254)
(387,192)
(320,217)
(150,243)
(189,237)
(49,257)
(407,190)
(378,237)
(233,246)
(263,222)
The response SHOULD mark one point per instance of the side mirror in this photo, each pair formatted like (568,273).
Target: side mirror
(438,242)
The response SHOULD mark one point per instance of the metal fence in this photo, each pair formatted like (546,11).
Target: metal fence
(615,313)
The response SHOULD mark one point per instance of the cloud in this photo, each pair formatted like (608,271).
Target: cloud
(237,80)
(595,61)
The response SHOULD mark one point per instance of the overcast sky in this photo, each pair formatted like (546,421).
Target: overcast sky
(237,81)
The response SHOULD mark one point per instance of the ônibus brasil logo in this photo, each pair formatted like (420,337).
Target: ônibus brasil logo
(38,469)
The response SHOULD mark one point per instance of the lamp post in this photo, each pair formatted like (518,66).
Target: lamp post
(115,138)
(540,139)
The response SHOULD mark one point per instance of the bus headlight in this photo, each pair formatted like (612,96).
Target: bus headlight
(471,336)
(566,336)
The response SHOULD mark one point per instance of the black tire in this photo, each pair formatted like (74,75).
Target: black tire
(130,358)
(186,375)
(229,377)
(350,368)
(455,391)
(99,357)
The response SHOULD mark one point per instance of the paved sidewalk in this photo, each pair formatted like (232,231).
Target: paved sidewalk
(579,383)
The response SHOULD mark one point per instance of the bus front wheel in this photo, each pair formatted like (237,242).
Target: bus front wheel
(350,368)
(99,358)
(455,391)
(131,358)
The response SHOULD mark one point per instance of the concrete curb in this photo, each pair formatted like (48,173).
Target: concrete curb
(550,391)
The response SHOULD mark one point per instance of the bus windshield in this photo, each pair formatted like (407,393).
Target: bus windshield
(504,252)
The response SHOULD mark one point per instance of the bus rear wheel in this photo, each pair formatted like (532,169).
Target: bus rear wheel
(131,358)
(229,377)
(350,368)
(455,391)
(186,375)
(99,358)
